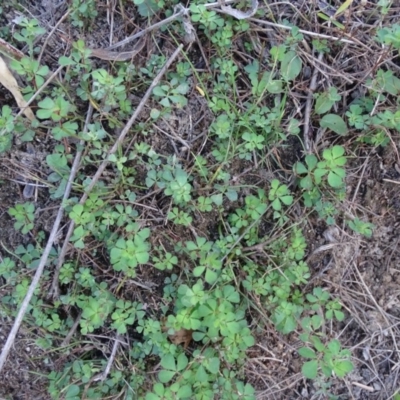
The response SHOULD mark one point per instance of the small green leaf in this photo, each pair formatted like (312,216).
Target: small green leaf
(201,374)
(211,276)
(334,346)
(231,194)
(184,392)
(168,362)
(326,370)
(318,344)
(311,161)
(165,376)
(231,294)
(339,315)
(310,369)
(335,178)
(287,200)
(198,271)
(276,205)
(154,113)
(159,91)
(335,123)
(319,173)
(217,199)
(65,61)
(182,362)
(306,183)
(213,365)
(343,8)
(72,392)
(290,66)
(337,151)
(306,352)
(274,86)
(300,168)
(343,368)
(152,396)
(323,104)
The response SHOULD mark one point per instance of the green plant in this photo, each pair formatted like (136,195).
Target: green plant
(110,91)
(126,254)
(180,217)
(389,35)
(82,12)
(313,171)
(172,93)
(335,123)
(24,215)
(165,260)
(326,210)
(32,70)
(30,30)
(178,186)
(6,129)
(363,228)
(58,162)
(279,195)
(325,101)
(333,161)
(55,109)
(95,310)
(210,20)
(330,359)
(263,83)
(125,314)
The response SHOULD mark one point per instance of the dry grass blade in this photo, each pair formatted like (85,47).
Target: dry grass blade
(109,55)
(10,83)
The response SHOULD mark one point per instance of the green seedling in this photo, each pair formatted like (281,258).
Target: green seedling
(279,195)
(127,254)
(325,101)
(24,215)
(330,359)
(313,171)
(361,227)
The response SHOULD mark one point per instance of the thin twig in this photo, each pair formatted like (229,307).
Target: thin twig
(329,68)
(103,375)
(359,181)
(129,39)
(391,181)
(71,332)
(173,137)
(364,387)
(54,292)
(289,28)
(310,97)
(51,34)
